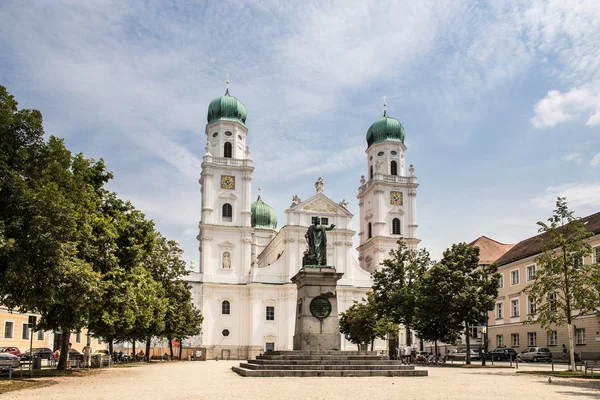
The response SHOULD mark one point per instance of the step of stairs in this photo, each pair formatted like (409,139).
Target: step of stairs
(335,373)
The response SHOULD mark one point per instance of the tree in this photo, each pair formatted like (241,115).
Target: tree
(564,287)
(182,318)
(395,284)
(472,290)
(434,320)
(363,323)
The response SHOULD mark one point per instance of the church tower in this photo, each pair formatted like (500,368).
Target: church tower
(226,185)
(387,198)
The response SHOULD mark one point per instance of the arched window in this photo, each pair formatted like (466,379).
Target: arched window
(395,226)
(227,152)
(371,172)
(394,168)
(369,227)
(225,307)
(227,212)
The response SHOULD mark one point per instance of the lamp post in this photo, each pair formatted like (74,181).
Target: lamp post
(485,345)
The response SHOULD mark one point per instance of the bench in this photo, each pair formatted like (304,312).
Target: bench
(591,366)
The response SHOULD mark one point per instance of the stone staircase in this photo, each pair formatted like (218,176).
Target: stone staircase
(325,363)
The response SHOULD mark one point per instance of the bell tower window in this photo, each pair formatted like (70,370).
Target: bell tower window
(395,226)
(227,150)
(370,230)
(394,168)
(371,172)
(227,212)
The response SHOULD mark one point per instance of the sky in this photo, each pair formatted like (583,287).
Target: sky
(500,100)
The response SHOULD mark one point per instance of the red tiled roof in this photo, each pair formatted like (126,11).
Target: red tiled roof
(489,249)
(534,245)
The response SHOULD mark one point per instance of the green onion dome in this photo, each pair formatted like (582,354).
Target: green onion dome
(385,128)
(226,108)
(263,216)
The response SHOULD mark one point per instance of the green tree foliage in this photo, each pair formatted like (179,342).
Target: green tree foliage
(561,273)
(182,318)
(364,322)
(434,320)
(395,284)
(472,290)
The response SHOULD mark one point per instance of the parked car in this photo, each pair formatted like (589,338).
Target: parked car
(11,350)
(41,352)
(74,355)
(502,354)
(535,354)
(463,354)
(103,355)
(8,360)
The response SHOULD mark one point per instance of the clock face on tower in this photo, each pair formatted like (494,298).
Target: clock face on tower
(227,182)
(396,198)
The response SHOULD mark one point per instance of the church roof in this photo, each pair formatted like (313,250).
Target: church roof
(226,108)
(489,249)
(534,245)
(385,128)
(263,215)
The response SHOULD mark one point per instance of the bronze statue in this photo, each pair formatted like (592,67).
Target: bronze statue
(316,254)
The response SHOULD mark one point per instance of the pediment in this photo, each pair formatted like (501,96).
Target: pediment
(321,204)
(227,195)
(226,245)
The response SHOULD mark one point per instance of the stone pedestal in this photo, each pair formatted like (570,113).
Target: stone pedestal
(317,324)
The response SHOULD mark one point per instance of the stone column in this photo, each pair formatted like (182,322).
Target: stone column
(317,324)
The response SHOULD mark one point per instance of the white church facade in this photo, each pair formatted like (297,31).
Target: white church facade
(242,283)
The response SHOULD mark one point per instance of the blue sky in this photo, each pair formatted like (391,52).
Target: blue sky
(500,100)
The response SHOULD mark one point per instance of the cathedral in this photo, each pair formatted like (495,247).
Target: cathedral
(242,283)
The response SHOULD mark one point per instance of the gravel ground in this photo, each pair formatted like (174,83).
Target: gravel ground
(215,380)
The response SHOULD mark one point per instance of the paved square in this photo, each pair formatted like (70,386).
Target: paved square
(215,380)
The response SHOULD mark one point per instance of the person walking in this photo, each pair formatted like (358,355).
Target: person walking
(87,356)
(564,350)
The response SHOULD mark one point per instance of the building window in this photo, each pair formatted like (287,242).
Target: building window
(577,261)
(597,255)
(580,336)
(552,301)
(324,220)
(514,277)
(25,333)
(225,307)
(270,313)
(530,272)
(227,150)
(8,329)
(40,335)
(371,172)
(99,340)
(531,339)
(514,339)
(501,281)
(394,168)
(514,308)
(269,346)
(531,305)
(370,231)
(78,337)
(396,226)
(474,331)
(552,338)
(227,212)
(499,311)
(499,340)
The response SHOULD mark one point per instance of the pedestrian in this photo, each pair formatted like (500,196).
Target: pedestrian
(87,355)
(564,349)
(407,354)
(56,356)
(68,352)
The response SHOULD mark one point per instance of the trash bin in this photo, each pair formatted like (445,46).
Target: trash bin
(37,363)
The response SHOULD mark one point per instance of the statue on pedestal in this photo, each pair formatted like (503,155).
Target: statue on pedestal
(316,236)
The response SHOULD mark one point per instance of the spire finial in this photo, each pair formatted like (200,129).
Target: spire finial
(259,190)
(227,82)
(384,106)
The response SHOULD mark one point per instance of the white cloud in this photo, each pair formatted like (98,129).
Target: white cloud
(572,156)
(559,107)
(595,160)
(577,194)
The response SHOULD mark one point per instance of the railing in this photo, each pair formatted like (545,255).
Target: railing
(387,178)
(234,162)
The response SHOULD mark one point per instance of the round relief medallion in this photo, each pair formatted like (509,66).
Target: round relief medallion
(320,307)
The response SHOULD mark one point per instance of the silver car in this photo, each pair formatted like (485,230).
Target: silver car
(8,360)
(535,354)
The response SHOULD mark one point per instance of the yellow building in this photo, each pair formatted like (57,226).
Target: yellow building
(513,305)
(14,332)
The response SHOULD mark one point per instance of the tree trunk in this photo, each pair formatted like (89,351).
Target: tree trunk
(435,348)
(148,348)
(372,343)
(180,348)
(408,335)
(170,348)
(571,348)
(358,346)
(110,346)
(64,350)
(133,351)
(468,341)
